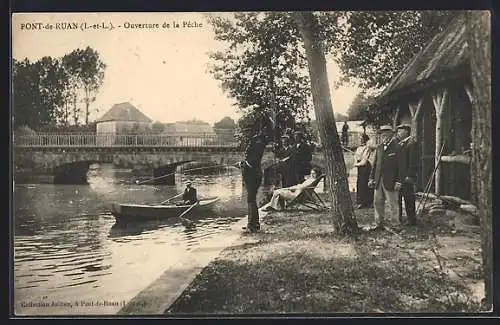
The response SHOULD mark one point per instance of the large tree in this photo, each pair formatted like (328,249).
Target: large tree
(344,219)
(263,66)
(479,46)
(38,92)
(85,71)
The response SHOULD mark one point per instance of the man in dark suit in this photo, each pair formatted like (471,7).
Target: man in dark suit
(252,177)
(286,162)
(302,155)
(408,173)
(385,178)
(189,195)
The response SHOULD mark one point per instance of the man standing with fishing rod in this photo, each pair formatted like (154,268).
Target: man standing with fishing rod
(251,166)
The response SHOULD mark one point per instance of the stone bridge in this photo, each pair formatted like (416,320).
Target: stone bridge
(71,164)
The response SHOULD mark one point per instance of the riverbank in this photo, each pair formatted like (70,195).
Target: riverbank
(297,265)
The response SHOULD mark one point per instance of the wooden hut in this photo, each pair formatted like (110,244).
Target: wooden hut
(433,94)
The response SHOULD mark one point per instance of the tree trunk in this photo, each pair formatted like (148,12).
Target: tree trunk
(415,114)
(479,46)
(395,119)
(75,110)
(439,104)
(86,111)
(87,104)
(344,219)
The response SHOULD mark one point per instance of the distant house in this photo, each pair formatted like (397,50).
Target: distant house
(122,118)
(190,132)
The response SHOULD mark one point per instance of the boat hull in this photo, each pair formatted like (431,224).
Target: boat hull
(138,212)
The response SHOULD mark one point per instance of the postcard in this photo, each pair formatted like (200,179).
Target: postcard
(225,163)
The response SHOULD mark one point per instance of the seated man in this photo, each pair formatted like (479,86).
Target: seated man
(189,196)
(280,196)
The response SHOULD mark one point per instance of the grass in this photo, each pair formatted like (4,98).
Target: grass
(297,265)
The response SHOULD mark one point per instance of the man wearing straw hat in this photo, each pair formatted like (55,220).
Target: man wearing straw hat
(385,178)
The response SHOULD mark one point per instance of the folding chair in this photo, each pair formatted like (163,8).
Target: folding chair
(308,197)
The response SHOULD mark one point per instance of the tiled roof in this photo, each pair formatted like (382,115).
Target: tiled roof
(439,59)
(124,112)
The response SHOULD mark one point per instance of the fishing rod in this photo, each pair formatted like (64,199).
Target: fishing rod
(198,168)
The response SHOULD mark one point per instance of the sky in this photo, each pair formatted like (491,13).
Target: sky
(161,71)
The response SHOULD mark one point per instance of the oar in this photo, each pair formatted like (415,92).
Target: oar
(188,223)
(173,197)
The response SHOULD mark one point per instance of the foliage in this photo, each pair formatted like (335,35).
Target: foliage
(358,107)
(264,63)
(38,91)
(264,66)
(69,128)
(225,123)
(375,45)
(44,90)
(85,71)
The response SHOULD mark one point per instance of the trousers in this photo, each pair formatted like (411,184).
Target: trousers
(380,196)
(364,194)
(252,183)
(408,194)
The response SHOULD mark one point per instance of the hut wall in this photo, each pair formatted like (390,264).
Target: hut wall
(426,135)
(457,128)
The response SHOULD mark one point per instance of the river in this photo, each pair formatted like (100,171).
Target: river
(68,248)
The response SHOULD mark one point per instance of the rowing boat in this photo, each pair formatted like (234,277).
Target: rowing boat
(159,211)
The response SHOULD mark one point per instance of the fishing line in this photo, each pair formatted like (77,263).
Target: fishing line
(198,168)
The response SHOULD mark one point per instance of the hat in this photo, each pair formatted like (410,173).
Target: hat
(285,136)
(188,182)
(298,132)
(404,126)
(386,128)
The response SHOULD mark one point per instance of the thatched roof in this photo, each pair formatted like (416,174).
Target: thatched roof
(124,112)
(444,57)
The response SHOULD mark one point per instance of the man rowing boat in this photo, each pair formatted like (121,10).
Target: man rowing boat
(189,196)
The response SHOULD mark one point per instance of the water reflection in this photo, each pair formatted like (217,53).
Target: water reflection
(68,245)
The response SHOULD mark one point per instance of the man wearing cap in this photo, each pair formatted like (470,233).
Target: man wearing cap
(302,157)
(385,178)
(189,196)
(408,173)
(252,177)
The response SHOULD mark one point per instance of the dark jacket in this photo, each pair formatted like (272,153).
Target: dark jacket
(302,157)
(409,158)
(387,165)
(253,156)
(190,195)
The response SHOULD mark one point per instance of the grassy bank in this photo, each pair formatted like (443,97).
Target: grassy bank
(298,265)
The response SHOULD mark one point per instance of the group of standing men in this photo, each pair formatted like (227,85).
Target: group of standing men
(393,176)
(295,159)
